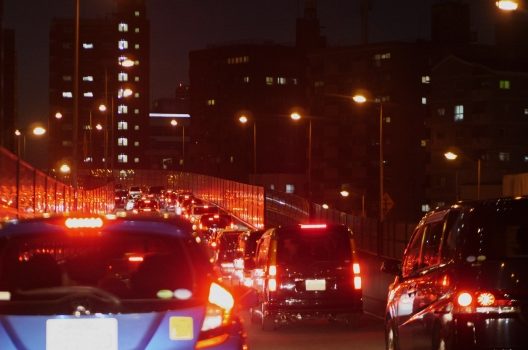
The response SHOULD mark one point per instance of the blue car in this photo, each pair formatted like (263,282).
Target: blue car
(92,283)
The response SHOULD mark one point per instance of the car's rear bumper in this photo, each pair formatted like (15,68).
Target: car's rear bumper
(337,305)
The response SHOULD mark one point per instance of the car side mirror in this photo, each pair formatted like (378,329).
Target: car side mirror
(391,266)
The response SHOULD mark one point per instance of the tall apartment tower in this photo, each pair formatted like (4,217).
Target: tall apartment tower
(114,73)
(7,84)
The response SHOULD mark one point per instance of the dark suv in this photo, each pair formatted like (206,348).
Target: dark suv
(463,281)
(307,271)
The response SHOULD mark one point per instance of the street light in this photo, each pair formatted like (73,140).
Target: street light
(507,5)
(21,136)
(174,123)
(244,119)
(296,116)
(361,99)
(451,156)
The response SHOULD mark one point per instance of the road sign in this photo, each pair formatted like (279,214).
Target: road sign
(387,203)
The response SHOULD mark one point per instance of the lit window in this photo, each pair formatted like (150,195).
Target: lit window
(136,95)
(387,120)
(88,94)
(525,158)
(122,76)
(136,13)
(526,111)
(122,125)
(269,81)
(122,158)
(136,160)
(66,78)
(122,27)
(88,78)
(136,78)
(440,112)
(122,109)
(136,62)
(295,81)
(136,111)
(122,141)
(424,100)
(87,46)
(504,156)
(66,143)
(423,143)
(281,81)
(386,56)
(67,94)
(136,30)
(459,113)
(246,79)
(211,102)
(290,188)
(122,44)
(426,79)
(272,187)
(319,83)
(504,84)
(425,208)
(136,143)
(136,46)
(136,127)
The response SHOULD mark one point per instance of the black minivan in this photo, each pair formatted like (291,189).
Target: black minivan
(463,280)
(307,271)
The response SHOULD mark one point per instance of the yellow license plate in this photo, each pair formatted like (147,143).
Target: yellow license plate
(181,328)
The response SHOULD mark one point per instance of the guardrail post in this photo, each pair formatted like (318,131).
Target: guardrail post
(34,191)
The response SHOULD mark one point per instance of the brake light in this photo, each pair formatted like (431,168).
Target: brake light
(272,270)
(312,226)
(84,222)
(484,302)
(357,282)
(217,314)
(272,279)
(356,268)
(135,258)
(464,299)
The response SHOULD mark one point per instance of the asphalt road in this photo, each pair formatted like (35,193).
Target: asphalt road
(317,335)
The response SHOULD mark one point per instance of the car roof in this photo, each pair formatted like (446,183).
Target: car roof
(165,227)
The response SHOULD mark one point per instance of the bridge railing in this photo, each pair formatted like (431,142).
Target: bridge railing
(26,191)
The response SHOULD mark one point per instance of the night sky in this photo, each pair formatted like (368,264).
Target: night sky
(179,26)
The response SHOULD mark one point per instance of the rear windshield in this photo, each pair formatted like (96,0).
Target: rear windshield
(205,210)
(298,246)
(497,231)
(127,266)
(228,247)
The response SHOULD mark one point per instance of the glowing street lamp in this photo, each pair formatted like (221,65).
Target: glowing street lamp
(65,168)
(174,122)
(58,115)
(507,5)
(99,127)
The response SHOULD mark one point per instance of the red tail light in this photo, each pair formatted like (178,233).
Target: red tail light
(272,278)
(356,270)
(484,302)
(217,314)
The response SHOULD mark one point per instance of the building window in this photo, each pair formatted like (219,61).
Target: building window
(136,95)
(67,94)
(246,79)
(459,113)
(122,44)
(281,81)
(87,46)
(504,156)
(136,13)
(440,112)
(136,30)
(424,100)
(504,84)
(88,94)
(122,158)
(122,141)
(136,46)
(295,81)
(526,111)
(136,160)
(269,81)
(67,78)
(122,125)
(122,109)
(136,78)
(423,143)
(238,60)
(88,78)
(136,143)
(122,27)
(272,187)
(318,84)
(426,208)
(122,76)
(66,143)
(136,111)
(136,127)
(211,102)
(290,188)
(426,79)
(525,158)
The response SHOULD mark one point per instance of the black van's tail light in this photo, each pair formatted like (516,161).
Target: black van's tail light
(356,269)
(484,302)
(272,278)
(312,226)
(217,315)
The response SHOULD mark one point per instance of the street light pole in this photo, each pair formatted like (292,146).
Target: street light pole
(381,173)
(254,147)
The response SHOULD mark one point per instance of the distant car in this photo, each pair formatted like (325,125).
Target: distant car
(120,198)
(225,252)
(307,271)
(71,283)
(135,191)
(463,280)
(210,223)
(244,265)
(197,210)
